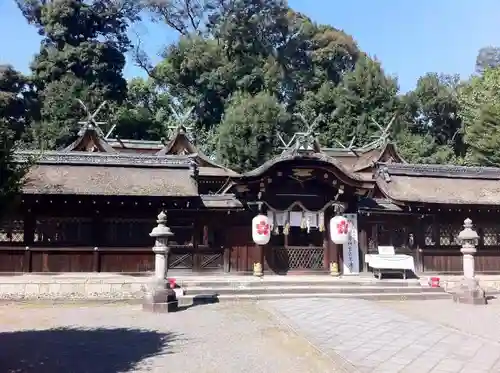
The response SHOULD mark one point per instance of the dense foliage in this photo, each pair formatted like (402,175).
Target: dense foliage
(246,68)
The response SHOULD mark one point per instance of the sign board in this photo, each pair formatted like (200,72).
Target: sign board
(351,247)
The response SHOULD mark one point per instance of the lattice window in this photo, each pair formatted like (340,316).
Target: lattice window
(429,236)
(12,231)
(180,261)
(448,235)
(212,261)
(491,235)
(300,257)
(72,231)
(128,232)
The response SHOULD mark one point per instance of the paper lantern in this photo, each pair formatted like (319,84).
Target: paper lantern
(339,229)
(261,230)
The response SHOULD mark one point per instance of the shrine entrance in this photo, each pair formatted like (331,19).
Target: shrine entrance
(299,193)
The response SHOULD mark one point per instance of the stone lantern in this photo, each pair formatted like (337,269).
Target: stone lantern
(159,297)
(469,290)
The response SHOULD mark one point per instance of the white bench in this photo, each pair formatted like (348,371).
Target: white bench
(388,261)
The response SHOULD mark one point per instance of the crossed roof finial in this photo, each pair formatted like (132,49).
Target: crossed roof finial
(91,123)
(182,121)
(302,139)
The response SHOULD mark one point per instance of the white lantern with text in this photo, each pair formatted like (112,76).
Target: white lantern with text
(261,230)
(339,229)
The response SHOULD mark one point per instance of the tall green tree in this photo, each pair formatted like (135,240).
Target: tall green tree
(475,96)
(487,58)
(247,136)
(364,96)
(14,111)
(432,108)
(483,137)
(81,56)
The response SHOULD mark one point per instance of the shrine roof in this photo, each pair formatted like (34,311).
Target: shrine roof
(83,173)
(135,146)
(439,184)
(181,144)
(222,201)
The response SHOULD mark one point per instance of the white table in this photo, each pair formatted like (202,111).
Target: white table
(395,262)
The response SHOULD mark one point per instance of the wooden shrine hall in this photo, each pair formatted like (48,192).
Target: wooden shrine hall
(91,206)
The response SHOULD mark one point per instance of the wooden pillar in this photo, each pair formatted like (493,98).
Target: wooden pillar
(258,260)
(29,225)
(338,255)
(419,238)
(363,247)
(326,248)
(97,235)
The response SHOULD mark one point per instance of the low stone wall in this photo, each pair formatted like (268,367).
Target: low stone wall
(490,284)
(70,286)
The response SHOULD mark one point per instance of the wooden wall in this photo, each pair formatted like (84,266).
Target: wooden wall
(435,245)
(88,235)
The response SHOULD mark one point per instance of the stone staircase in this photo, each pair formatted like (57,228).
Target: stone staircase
(321,287)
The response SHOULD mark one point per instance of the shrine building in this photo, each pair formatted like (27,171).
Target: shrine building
(91,206)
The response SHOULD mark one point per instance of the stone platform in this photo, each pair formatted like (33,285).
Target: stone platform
(117,287)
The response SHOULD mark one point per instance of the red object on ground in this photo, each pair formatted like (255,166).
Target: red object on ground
(434,282)
(172,283)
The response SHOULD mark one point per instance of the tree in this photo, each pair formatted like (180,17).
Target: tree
(13,113)
(487,58)
(483,138)
(364,96)
(247,136)
(253,46)
(81,56)
(416,148)
(433,108)
(144,113)
(480,93)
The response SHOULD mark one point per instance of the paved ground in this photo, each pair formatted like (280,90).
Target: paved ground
(410,337)
(267,337)
(217,338)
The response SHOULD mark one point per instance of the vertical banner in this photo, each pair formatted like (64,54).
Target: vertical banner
(351,247)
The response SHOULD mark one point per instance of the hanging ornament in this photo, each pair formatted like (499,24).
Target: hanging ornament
(321,221)
(261,230)
(339,229)
(286,229)
(276,228)
(303,224)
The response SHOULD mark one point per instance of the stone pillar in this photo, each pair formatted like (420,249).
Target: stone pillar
(159,297)
(469,290)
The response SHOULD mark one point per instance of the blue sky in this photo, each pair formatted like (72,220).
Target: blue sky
(410,37)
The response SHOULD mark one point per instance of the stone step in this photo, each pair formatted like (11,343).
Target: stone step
(188,300)
(307,289)
(186,283)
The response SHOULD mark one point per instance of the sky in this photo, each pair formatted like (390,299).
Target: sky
(409,37)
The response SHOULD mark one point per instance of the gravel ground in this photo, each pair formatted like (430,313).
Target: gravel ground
(216,338)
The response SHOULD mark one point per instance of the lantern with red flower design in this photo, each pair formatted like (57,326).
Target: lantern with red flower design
(261,230)
(339,229)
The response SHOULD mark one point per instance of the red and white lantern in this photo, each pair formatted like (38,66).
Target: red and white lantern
(261,230)
(339,229)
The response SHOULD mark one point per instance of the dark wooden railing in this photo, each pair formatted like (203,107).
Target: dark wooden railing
(449,260)
(130,260)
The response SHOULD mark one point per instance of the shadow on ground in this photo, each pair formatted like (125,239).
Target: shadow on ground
(65,350)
